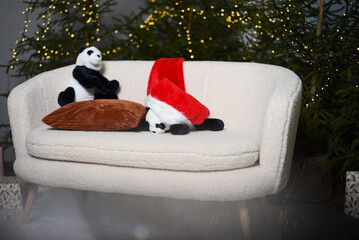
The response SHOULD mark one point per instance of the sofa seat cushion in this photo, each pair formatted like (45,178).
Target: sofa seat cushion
(196,151)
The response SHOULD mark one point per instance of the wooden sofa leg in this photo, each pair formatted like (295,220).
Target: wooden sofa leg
(244,218)
(29,201)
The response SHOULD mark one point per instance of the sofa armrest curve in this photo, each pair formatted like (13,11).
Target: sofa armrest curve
(279,131)
(27,105)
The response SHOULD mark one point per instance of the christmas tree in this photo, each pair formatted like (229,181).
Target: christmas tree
(195,30)
(65,27)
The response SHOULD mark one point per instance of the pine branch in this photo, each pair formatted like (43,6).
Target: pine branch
(317,34)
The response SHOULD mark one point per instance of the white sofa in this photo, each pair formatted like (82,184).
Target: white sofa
(250,158)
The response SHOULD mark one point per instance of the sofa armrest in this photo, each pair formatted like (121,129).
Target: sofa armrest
(27,105)
(279,130)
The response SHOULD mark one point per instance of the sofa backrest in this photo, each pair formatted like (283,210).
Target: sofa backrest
(235,92)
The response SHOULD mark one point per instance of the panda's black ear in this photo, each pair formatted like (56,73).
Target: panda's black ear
(82,49)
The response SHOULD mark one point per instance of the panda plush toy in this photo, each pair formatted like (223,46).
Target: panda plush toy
(170,107)
(87,83)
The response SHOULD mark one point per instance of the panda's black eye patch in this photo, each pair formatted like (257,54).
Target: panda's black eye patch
(161,126)
(89,52)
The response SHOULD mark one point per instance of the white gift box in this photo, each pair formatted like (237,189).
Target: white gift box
(1,164)
(351,206)
(13,191)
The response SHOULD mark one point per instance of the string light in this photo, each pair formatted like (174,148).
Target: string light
(89,14)
(184,30)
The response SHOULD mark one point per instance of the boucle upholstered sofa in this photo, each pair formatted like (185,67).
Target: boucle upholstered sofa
(250,158)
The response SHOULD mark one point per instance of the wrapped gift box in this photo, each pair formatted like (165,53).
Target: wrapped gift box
(1,164)
(351,206)
(13,191)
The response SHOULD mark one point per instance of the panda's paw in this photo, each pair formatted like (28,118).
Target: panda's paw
(112,86)
(110,95)
(179,129)
(212,124)
(143,125)
(66,97)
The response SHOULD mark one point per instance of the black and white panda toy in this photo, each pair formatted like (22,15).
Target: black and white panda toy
(87,83)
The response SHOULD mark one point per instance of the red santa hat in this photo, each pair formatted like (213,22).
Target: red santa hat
(166,84)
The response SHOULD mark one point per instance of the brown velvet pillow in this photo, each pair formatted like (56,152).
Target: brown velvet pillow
(97,115)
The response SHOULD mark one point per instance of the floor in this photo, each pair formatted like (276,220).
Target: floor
(301,211)
(68,214)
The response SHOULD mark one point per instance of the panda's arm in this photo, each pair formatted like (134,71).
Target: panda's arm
(105,85)
(86,77)
(101,79)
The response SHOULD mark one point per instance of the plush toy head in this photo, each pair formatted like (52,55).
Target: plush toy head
(90,57)
(86,82)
